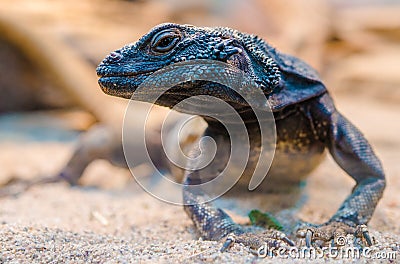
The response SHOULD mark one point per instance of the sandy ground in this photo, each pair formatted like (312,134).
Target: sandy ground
(118,222)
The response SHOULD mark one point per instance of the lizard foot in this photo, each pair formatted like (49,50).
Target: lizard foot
(17,186)
(334,233)
(269,238)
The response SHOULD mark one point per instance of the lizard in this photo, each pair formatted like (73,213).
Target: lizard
(307,123)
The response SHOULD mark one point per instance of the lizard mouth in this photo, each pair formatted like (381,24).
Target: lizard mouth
(125,70)
(121,84)
(104,74)
(122,81)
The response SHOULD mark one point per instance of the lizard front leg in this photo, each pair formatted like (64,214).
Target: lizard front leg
(353,154)
(212,222)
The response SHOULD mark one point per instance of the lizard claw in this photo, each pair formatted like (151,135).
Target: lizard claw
(309,238)
(230,240)
(269,238)
(363,233)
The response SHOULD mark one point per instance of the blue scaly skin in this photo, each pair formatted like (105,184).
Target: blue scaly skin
(307,123)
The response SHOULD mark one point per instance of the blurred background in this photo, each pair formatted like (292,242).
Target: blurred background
(49,51)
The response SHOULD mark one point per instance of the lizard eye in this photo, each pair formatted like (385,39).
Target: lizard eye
(165,41)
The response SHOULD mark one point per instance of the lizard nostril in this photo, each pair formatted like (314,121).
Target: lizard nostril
(113,57)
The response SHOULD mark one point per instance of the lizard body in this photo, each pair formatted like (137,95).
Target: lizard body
(306,119)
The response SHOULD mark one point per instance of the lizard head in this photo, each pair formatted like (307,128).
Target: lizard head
(124,70)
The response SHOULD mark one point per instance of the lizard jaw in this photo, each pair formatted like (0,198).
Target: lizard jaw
(121,85)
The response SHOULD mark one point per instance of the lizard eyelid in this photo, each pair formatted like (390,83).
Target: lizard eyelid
(165,41)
